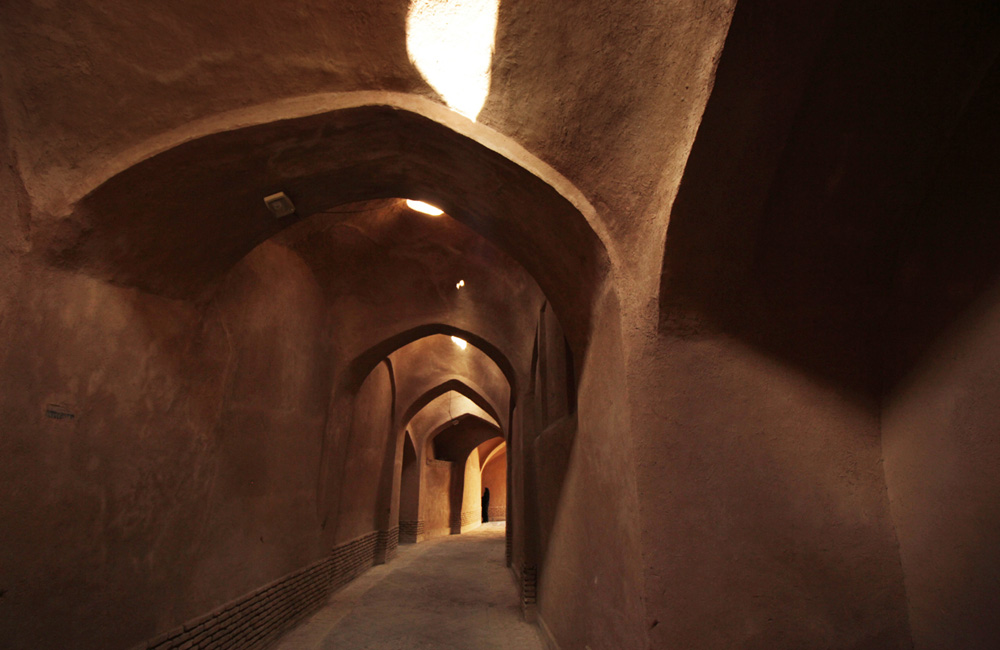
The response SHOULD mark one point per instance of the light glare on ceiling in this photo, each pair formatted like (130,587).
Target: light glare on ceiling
(460,284)
(425,208)
(459,342)
(451,43)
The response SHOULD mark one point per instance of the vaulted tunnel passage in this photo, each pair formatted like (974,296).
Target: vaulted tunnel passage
(363,353)
(710,308)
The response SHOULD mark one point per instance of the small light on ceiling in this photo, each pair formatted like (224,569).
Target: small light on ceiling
(459,342)
(425,208)
(279,204)
(460,284)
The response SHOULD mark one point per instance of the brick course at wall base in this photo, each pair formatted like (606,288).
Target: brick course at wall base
(529,591)
(255,620)
(464,521)
(386,545)
(411,532)
(497,513)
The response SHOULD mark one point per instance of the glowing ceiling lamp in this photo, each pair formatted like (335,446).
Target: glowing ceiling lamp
(451,43)
(459,342)
(425,208)
(460,284)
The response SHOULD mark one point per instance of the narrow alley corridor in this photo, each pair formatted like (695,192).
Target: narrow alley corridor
(449,592)
(701,297)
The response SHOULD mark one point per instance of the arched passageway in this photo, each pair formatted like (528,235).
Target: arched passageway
(734,263)
(323,337)
(395,341)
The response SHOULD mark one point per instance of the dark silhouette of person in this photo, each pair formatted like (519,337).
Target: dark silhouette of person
(486,505)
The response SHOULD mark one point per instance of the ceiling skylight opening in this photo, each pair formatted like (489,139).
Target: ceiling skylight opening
(459,342)
(425,208)
(450,42)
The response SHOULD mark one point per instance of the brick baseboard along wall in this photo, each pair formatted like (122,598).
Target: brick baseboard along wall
(410,531)
(255,620)
(529,591)
(386,545)
(470,517)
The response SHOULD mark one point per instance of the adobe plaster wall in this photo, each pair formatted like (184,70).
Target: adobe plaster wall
(472,490)
(757,408)
(167,493)
(587,484)
(941,453)
(764,507)
(14,215)
(436,496)
(409,498)
(940,413)
(83,493)
(364,467)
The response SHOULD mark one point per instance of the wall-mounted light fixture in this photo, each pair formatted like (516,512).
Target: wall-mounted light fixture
(279,204)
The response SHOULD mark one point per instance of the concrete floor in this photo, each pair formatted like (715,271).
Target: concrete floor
(450,592)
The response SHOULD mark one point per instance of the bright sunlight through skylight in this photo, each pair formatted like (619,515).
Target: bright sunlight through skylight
(451,44)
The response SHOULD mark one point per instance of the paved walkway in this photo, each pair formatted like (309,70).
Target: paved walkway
(450,592)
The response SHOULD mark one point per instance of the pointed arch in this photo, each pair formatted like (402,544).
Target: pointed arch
(452,385)
(368,359)
(323,151)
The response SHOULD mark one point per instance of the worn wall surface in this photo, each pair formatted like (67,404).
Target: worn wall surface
(100,487)
(939,418)
(777,333)
(472,490)
(593,466)
(14,216)
(764,508)
(166,493)
(435,497)
(364,463)
(941,450)
(409,497)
